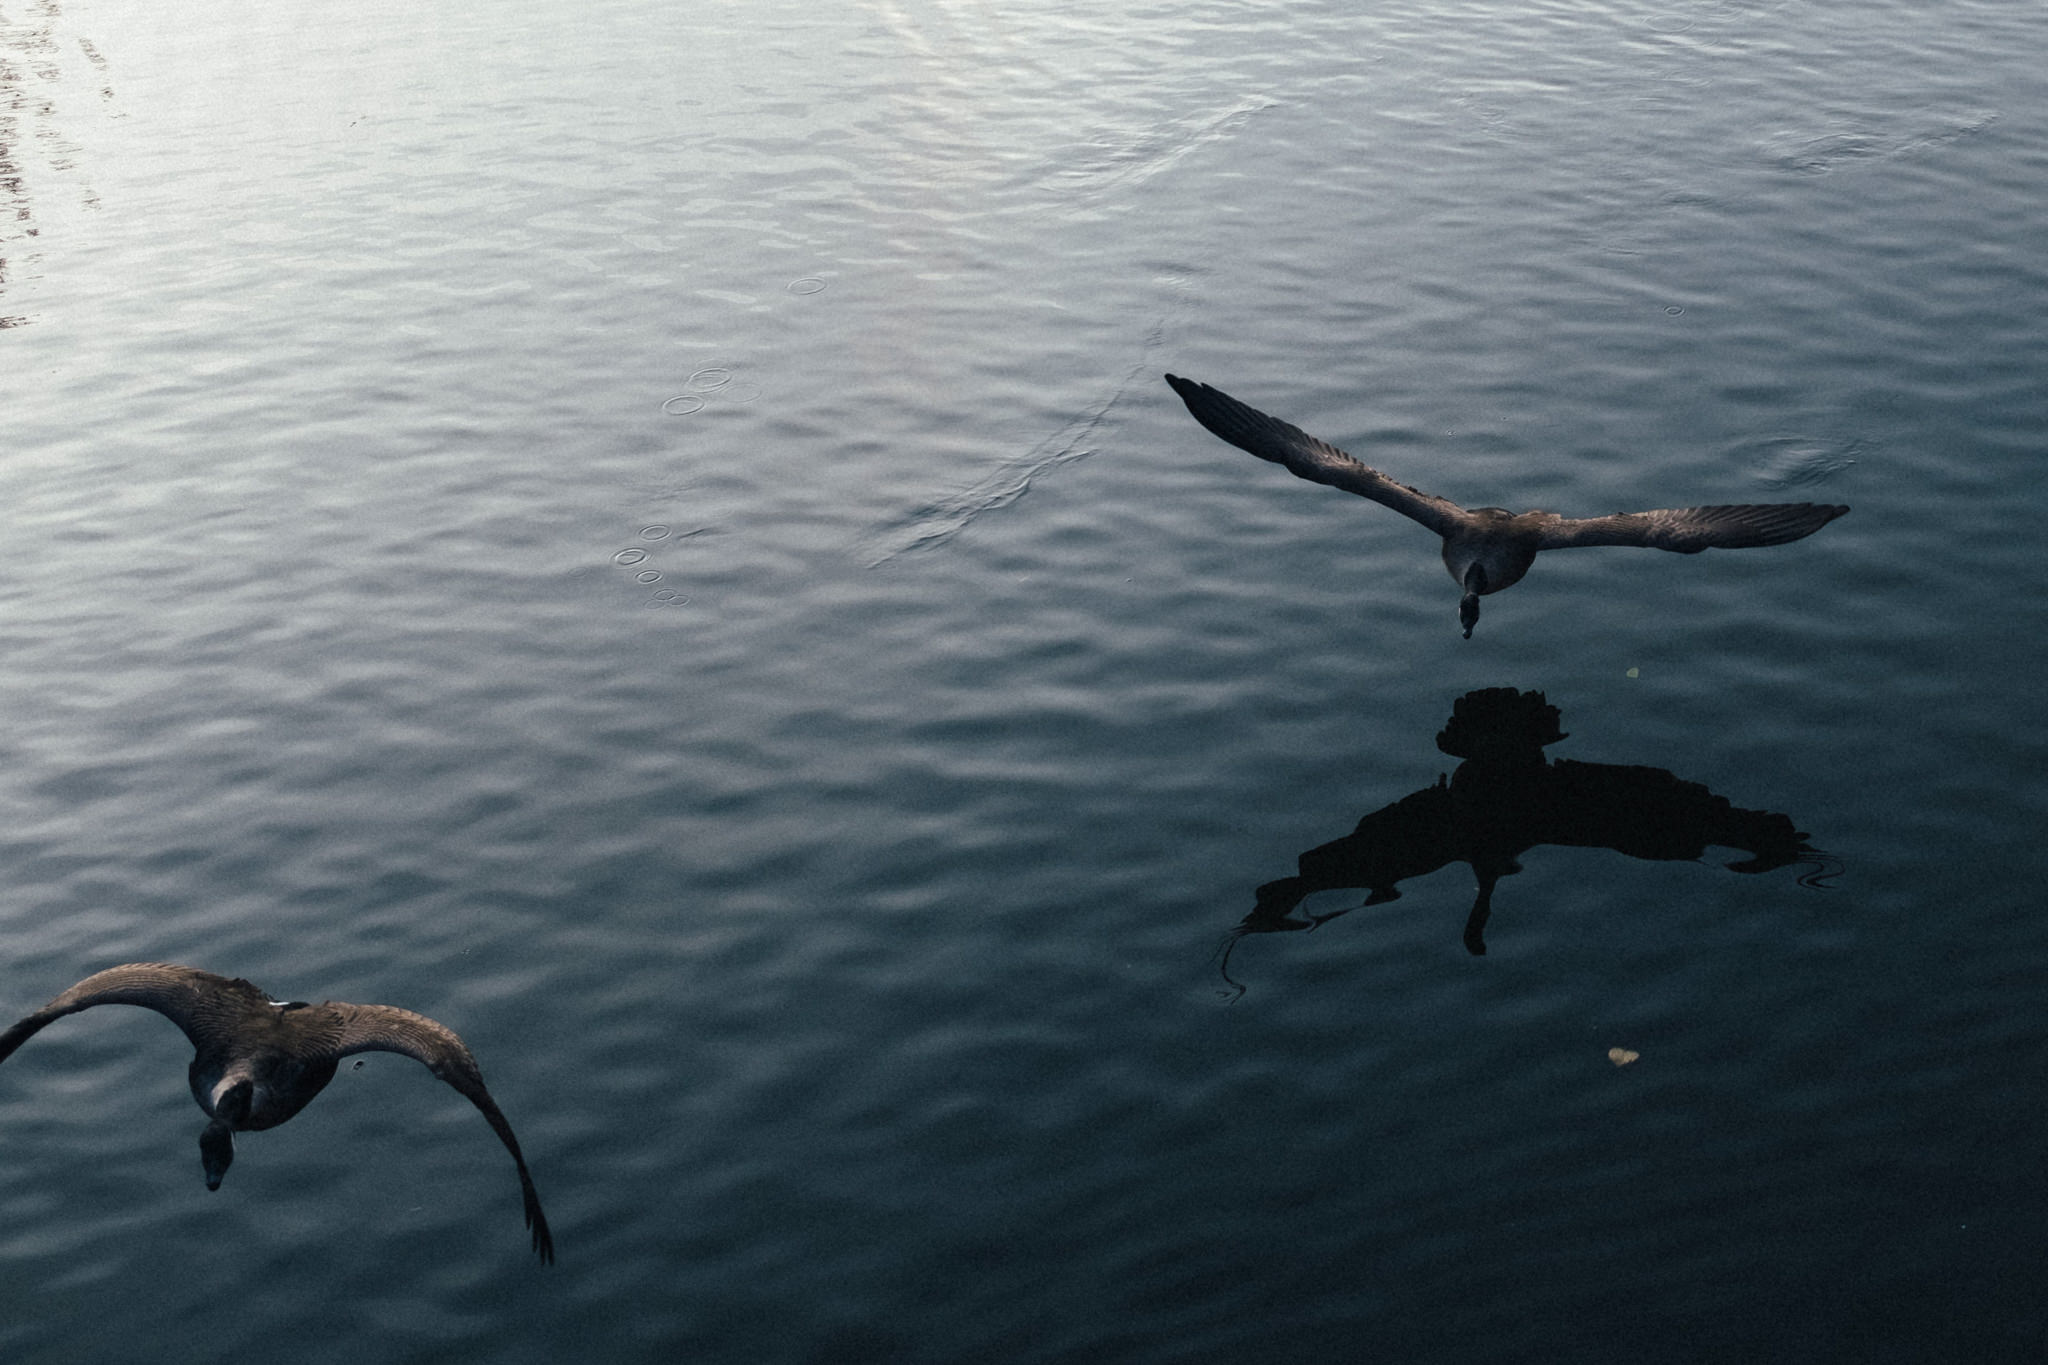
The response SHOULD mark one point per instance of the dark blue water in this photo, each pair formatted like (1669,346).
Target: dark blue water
(655,536)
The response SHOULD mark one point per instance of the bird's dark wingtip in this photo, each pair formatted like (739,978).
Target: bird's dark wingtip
(1825,512)
(543,1240)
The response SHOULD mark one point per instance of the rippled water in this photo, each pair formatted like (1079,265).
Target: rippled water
(654,535)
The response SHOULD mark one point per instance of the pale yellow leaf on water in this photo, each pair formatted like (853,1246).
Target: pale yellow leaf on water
(1621,1056)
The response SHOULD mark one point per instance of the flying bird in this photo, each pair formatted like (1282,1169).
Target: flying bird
(258,1061)
(1490,548)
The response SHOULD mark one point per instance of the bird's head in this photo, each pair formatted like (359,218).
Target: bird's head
(1475,584)
(232,1099)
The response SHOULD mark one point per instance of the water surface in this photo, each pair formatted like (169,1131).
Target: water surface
(654,535)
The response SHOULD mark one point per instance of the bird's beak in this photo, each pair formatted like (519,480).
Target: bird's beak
(216,1152)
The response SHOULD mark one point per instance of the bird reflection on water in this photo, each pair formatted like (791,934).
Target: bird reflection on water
(1506,798)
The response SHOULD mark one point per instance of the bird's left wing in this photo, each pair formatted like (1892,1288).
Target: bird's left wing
(386,1028)
(1308,457)
(186,996)
(1689,530)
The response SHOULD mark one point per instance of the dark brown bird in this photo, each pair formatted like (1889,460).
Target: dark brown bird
(257,1061)
(1490,548)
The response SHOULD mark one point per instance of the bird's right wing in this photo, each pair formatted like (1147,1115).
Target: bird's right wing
(1688,530)
(387,1028)
(186,996)
(1318,461)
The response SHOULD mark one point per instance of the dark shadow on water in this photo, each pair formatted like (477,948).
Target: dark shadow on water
(1506,798)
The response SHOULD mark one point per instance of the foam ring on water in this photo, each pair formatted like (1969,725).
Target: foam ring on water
(631,555)
(809,284)
(649,576)
(654,533)
(711,379)
(683,404)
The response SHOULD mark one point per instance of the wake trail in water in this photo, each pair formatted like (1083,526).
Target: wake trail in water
(1111,167)
(1807,153)
(940,520)
(1141,157)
